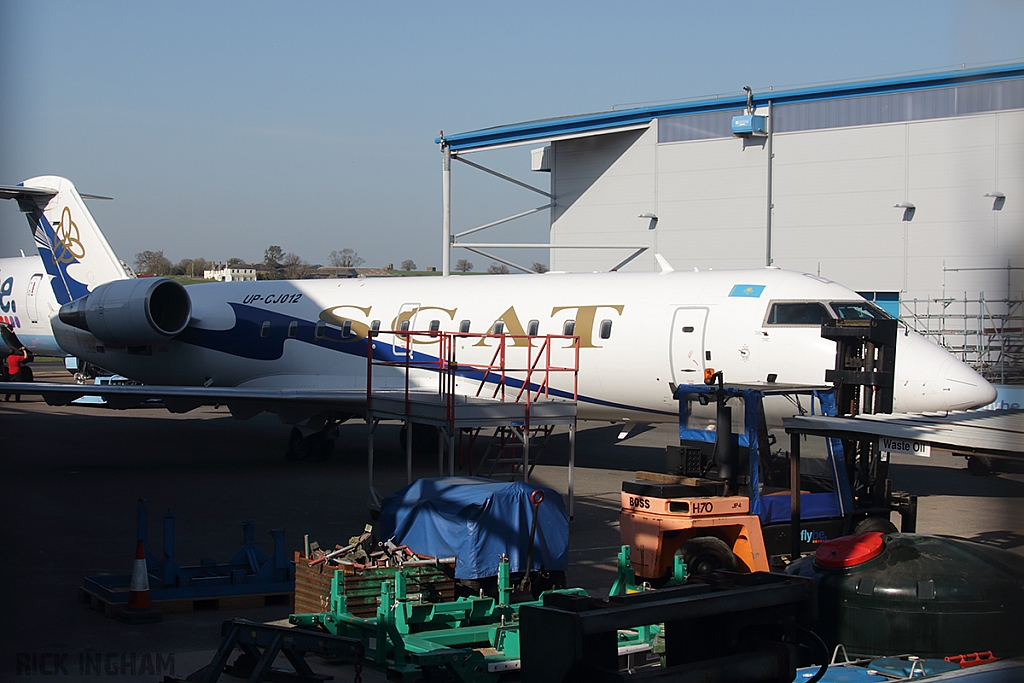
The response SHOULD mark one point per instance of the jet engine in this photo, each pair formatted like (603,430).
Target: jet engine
(132,312)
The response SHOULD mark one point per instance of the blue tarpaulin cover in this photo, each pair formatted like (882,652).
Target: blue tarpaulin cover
(476,520)
(777,508)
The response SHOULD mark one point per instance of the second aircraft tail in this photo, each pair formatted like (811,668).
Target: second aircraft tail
(75,253)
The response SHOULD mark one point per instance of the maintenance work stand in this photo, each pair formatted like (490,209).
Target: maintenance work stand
(529,383)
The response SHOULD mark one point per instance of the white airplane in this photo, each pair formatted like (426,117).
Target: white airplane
(299,348)
(26,304)
(27,301)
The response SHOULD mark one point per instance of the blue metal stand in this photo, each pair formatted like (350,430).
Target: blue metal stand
(249,572)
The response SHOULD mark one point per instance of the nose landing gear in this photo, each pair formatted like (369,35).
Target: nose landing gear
(314,444)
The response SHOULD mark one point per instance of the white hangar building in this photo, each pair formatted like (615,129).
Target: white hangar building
(908,190)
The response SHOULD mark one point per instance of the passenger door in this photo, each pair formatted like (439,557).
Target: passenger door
(32,297)
(687,344)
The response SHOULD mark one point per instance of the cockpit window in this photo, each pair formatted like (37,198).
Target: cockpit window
(797,313)
(857,310)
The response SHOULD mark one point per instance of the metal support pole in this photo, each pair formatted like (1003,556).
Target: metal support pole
(768,220)
(372,423)
(794,496)
(526,455)
(408,451)
(446,193)
(440,452)
(451,455)
(572,466)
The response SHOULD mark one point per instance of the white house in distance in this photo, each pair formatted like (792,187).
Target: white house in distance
(909,190)
(226,274)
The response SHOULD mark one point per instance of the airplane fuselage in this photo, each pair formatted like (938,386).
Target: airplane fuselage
(26,304)
(639,334)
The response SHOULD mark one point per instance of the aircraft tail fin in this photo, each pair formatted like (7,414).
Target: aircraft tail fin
(75,253)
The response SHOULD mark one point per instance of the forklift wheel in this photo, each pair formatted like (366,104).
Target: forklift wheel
(979,465)
(875,524)
(706,554)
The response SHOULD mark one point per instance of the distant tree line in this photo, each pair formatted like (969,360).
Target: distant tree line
(281,266)
(278,265)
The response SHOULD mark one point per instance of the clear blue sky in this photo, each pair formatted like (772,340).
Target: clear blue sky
(223,127)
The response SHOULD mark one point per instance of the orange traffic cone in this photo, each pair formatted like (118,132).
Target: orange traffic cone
(139,609)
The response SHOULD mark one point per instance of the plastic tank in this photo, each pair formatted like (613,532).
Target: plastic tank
(931,596)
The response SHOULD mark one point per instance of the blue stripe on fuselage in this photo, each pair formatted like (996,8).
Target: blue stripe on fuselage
(244,340)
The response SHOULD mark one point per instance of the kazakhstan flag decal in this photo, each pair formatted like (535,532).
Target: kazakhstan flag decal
(753,291)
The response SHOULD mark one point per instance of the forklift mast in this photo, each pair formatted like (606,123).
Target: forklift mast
(865,364)
(863,379)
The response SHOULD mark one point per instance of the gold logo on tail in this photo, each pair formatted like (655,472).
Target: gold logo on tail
(69,244)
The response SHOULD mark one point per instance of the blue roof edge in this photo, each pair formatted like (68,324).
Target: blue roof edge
(546,128)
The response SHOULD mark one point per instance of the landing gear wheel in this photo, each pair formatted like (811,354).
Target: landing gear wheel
(298,446)
(979,465)
(706,554)
(875,524)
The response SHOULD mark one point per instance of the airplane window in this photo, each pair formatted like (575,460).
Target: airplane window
(265,328)
(688,329)
(569,328)
(798,313)
(435,325)
(293,329)
(533,327)
(404,326)
(606,329)
(346,329)
(499,327)
(857,310)
(320,327)
(375,325)
(464,326)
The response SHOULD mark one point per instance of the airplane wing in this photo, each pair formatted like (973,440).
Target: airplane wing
(291,405)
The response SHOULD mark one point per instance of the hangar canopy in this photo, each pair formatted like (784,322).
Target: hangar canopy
(626,119)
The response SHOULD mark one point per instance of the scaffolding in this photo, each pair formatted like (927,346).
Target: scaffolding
(517,389)
(985,333)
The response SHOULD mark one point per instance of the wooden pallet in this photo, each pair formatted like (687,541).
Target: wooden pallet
(229,602)
(362,588)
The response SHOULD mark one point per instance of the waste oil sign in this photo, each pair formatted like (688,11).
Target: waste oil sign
(905,446)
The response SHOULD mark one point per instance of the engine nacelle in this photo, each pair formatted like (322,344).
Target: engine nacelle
(131,312)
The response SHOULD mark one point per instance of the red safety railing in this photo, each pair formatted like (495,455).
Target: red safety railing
(529,361)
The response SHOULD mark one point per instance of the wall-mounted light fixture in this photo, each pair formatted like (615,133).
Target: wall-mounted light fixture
(998,199)
(908,210)
(652,218)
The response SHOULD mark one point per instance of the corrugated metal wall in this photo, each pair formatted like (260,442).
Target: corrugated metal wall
(834,191)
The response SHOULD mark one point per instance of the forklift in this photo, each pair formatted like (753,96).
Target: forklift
(724,502)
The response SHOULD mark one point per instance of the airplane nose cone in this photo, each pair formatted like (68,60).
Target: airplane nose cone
(965,388)
(930,379)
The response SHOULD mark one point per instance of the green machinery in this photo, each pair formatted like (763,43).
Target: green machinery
(722,626)
(471,639)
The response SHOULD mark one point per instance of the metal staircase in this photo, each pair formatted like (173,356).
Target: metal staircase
(504,459)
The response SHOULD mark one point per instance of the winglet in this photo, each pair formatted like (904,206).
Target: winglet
(665,266)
